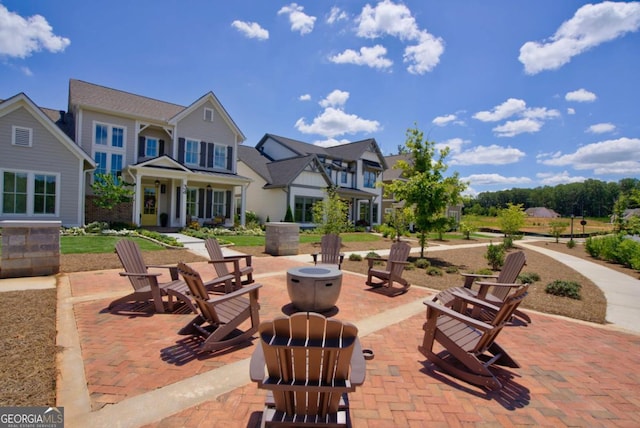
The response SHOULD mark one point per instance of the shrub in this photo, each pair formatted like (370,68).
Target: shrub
(96,227)
(452,269)
(528,277)
(372,255)
(434,271)
(485,271)
(571,243)
(355,257)
(562,288)
(288,217)
(422,263)
(495,256)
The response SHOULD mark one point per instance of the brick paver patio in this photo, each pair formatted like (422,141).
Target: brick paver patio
(573,373)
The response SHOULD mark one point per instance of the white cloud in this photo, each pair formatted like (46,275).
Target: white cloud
(396,20)
(507,109)
(514,127)
(601,128)
(373,57)
(304,97)
(299,20)
(487,155)
(454,145)
(553,179)
(540,113)
(330,142)
(591,25)
(571,111)
(620,156)
(20,37)
(443,120)
(252,30)
(27,71)
(336,98)
(333,122)
(489,179)
(580,96)
(336,15)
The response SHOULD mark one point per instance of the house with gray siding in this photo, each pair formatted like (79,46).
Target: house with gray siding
(181,159)
(42,170)
(291,173)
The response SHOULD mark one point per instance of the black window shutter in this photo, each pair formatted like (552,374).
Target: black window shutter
(201,204)
(203,154)
(161,148)
(210,153)
(178,196)
(230,158)
(181,150)
(209,200)
(141,147)
(227,204)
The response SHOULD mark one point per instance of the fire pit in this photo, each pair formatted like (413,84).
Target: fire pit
(314,288)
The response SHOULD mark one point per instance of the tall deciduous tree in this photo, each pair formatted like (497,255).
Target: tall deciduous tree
(425,186)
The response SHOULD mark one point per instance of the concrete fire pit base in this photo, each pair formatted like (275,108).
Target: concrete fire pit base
(314,289)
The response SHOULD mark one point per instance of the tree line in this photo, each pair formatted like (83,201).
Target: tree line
(591,198)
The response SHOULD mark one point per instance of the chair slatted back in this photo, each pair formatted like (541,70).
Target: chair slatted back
(309,356)
(513,264)
(131,258)
(215,253)
(330,249)
(502,317)
(399,252)
(199,292)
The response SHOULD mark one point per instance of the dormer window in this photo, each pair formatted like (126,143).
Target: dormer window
(21,136)
(208,114)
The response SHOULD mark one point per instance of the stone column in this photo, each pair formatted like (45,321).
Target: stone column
(30,248)
(282,238)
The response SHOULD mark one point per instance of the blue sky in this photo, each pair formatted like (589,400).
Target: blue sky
(525,93)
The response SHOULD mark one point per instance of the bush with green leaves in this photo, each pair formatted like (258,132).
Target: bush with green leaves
(528,277)
(615,248)
(434,271)
(372,255)
(422,263)
(495,256)
(96,227)
(354,257)
(571,244)
(452,269)
(562,288)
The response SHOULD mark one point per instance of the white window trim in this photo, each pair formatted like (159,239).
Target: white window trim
(14,131)
(146,147)
(31,192)
(224,201)
(226,151)
(110,127)
(211,113)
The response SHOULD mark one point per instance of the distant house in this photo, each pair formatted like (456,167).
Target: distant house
(42,170)
(292,173)
(541,212)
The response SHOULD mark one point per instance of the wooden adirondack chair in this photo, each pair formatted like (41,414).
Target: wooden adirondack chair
(231,279)
(311,363)
(329,251)
(469,344)
(145,284)
(222,314)
(392,272)
(493,292)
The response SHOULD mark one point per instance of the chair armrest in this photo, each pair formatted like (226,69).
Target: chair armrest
(247,257)
(173,270)
(398,262)
(469,278)
(145,274)
(256,364)
(234,294)
(358,365)
(485,286)
(474,301)
(372,260)
(437,307)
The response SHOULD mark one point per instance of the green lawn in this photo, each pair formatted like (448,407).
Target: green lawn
(99,244)
(255,241)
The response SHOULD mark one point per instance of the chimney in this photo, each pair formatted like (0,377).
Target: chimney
(62,116)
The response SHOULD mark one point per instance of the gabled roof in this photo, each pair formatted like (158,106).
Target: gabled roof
(299,147)
(254,160)
(394,173)
(22,100)
(101,98)
(283,172)
(84,94)
(541,212)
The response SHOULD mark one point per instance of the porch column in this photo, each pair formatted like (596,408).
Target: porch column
(243,201)
(370,213)
(183,202)
(136,201)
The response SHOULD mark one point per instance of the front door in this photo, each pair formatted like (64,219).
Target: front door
(150,207)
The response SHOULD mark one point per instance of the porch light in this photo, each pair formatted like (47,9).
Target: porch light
(157,183)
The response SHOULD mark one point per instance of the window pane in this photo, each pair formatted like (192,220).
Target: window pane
(101,161)
(21,204)
(101,134)
(117,137)
(152,147)
(220,157)
(21,182)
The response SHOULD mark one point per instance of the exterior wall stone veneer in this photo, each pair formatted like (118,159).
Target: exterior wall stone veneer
(30,248)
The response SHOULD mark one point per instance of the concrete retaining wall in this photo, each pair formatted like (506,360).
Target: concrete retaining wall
(30,248)
(282,239)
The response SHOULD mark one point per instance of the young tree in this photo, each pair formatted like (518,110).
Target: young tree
(426,188)
(330,214)
(511,221)
(399,220)
(556,227)
(110,192)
